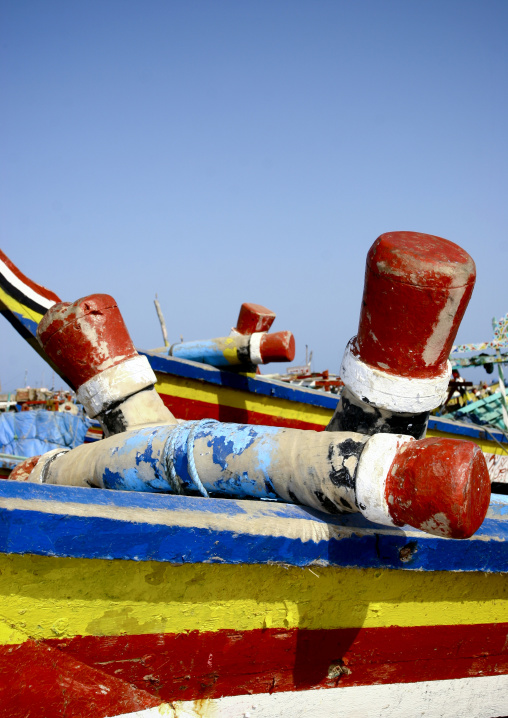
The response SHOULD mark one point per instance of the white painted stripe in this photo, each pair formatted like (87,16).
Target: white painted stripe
(482,697)
(114,384)
(255,347)
(164,710)
(391,392)
(373,467)
(27,291)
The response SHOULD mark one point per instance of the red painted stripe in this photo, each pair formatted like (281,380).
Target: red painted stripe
(29,283)
(41,682)
(190,409)
(208,665)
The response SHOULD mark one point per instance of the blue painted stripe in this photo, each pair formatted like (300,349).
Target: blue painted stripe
(461,429)
(264,387)
(97,536)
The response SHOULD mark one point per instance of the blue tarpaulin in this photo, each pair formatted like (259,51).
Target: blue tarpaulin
(30,433)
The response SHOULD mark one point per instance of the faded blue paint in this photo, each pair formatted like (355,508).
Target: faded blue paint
(229,440)
(364,545)
(206,351)
(28,324)
(265,452)
(240,486)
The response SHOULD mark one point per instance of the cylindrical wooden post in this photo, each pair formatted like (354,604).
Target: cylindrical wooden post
(396,370)
(88,340)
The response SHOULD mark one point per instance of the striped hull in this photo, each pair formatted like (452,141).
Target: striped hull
(148,606)
(161,633)
(190,607)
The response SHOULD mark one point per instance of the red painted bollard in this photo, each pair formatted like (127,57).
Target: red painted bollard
(248,345)
(88,340)
(396,370)
(438,485)
(23,470)
(254,318)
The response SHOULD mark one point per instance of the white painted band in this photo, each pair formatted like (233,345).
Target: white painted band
(373,467)
(165,710)
(389,391)
(24,288)
(115,384)
(255,347)
(479,697)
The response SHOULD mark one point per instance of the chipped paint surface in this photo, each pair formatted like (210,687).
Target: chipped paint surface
(85,337)
(114,384)
(439,340)
(374,466)
(231,460)
(440,485)
(417,287)
(254,318)
(334,472)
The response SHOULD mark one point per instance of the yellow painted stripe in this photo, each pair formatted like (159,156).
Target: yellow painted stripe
(272,406)
(45,597)
(215,394)
(489,447)
(16,306)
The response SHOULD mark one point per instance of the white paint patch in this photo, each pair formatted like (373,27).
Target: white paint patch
(482,697)
(24,288)
(114,384)
(497,465)
(442,328)
(89,331)
(373,467)
(392,392)
(438,525)
(255,347)
(164,709)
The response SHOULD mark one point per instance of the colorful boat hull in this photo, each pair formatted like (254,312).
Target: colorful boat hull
(125,604)
(176,602)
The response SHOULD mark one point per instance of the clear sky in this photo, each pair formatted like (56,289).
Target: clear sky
(221,152)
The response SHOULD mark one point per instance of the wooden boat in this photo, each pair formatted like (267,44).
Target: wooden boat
(125,604)
(193,390)
(117,603)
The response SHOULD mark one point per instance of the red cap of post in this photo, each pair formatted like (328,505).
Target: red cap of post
(417,287)
(439,485)
(86,337)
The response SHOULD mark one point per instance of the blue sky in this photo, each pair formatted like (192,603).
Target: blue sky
(220,152)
